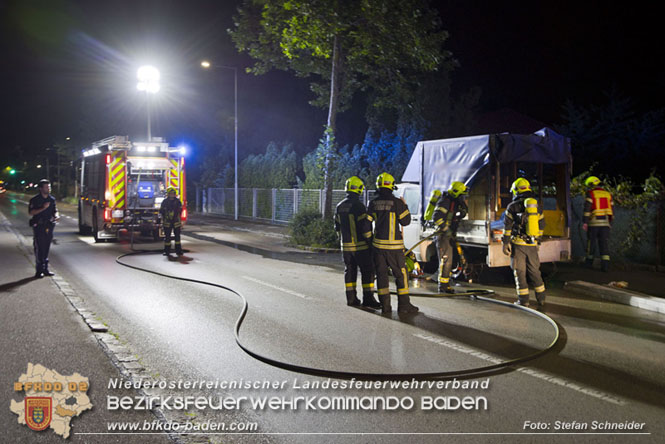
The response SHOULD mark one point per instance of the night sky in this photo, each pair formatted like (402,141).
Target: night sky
(69,69)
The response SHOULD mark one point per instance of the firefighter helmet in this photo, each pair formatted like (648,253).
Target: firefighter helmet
(171,189)
(457,189)
(520,186)
(592,181)
(385,180)
(354,185)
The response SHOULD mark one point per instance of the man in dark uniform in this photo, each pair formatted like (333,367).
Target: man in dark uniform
(523,228)
(170,210)
(355,232)
(44,215)
(598,215)
(450,209)
(389,213)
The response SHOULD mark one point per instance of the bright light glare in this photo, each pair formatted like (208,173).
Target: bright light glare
(140,148)
(151,149)
(148,77)
(182,150)
(205,64)
(39,166)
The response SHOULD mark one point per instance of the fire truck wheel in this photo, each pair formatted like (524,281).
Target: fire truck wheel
(95,227)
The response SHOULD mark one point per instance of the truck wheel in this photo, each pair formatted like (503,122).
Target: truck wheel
(95,227)
(432,264)
(82,228)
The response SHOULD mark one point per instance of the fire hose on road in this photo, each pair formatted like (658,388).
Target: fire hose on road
(474,294)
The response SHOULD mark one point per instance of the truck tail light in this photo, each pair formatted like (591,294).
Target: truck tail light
(107,214)
(183,215)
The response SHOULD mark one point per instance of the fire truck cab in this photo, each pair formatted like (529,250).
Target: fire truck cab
(123,184)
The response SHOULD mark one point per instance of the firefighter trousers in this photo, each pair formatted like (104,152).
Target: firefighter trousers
(392,260)
(167,238)
(444,246)
(601,237)
(352,261)
(41,241)
(524,262)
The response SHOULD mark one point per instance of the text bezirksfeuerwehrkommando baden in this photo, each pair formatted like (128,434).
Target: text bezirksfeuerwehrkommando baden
(332,400)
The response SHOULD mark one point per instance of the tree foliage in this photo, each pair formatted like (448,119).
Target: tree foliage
(615,136)
(383,44)
(345,45)
(274,169)
(388,151)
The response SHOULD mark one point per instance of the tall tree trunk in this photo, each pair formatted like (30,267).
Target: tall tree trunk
(331,127)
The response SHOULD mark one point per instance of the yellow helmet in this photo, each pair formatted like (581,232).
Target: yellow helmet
(385,180)
(354,185)
(171,189)
(521,185)
(592,181)
(457,189)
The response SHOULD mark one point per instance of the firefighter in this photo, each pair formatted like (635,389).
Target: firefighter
(388,213)
(170,211)
(44,215)
(523,229)
(598,215)
(450,209)
(355,231)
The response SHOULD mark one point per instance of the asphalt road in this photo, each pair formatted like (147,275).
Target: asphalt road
(608,366)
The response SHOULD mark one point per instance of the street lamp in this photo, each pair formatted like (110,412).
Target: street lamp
(148,77)
(207,65)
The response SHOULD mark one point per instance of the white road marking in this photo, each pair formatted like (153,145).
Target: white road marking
(552,379)
(285,290)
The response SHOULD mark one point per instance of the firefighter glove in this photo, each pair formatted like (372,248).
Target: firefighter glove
(507,249)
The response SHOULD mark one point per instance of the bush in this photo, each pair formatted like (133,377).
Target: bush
(308,228)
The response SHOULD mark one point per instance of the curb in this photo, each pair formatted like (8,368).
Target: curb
(626,297)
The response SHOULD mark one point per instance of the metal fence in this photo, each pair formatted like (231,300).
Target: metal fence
(269,205)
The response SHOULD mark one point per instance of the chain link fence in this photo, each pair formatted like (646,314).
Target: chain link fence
(269,205)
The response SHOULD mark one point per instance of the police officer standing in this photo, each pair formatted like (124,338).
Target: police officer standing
(523,228)
(450,209)
(389,213)
(170,210)
(598,215)
(44,215)
(355,230)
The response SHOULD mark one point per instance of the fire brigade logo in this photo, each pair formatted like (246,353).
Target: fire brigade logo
(38,412)
(51,400)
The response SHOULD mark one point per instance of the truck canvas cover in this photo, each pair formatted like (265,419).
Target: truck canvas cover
(461,159)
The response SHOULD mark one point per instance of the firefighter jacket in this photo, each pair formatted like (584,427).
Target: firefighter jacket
(388,213)
(170,211)
(352,223)
(515,229)
(448,213)
(598,208)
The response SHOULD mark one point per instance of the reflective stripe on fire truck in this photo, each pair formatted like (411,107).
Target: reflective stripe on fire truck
(117,180)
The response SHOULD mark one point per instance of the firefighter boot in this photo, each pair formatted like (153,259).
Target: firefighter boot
(351,299)
(167,249)
(385,303)
(588,263)
(540,298)
(404,305)
(605,266)
(369,301)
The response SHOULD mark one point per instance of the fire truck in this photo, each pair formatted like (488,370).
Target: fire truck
(123,184)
